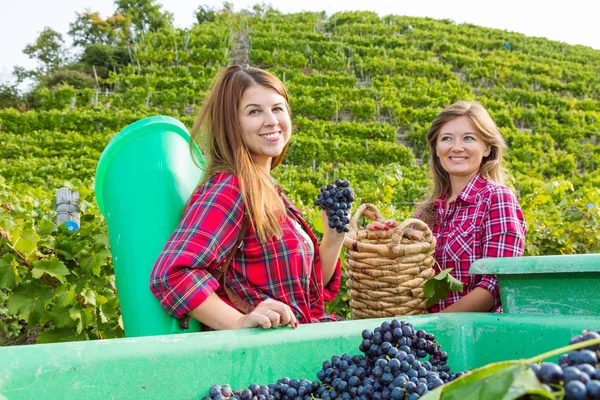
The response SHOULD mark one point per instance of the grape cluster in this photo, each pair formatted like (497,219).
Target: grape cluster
(392,367)
(336,200)
(578,371)
(285,388)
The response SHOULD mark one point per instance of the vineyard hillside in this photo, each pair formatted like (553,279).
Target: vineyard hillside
(363,90)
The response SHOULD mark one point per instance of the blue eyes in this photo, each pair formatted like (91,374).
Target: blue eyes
(466,138)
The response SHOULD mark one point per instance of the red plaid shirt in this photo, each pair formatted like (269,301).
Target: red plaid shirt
(286,270)
(484,221)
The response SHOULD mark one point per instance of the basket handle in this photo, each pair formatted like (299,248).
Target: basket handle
(360,211)
(412,228)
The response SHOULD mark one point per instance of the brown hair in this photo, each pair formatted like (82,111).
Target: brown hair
(218,133)
(491,166)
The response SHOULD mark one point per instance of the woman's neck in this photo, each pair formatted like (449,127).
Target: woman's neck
(457,184)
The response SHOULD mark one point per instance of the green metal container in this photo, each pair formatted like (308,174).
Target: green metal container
(549,285)
(185,366)
(145,176)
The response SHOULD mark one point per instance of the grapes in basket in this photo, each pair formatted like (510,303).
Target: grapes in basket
(336,200)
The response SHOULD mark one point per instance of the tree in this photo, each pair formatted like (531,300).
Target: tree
(145,15)
(104,58)
(76,79)
(21,74)
(89,28)
(260,10)
(48,50)
(9,95)
(205,14)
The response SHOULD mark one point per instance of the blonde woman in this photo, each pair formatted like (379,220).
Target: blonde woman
(279,271)
(470,210)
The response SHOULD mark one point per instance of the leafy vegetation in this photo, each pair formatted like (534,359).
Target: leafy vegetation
(363,88)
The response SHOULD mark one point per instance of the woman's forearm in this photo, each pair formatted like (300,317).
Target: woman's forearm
(217,314)
(478,300)
(329,250)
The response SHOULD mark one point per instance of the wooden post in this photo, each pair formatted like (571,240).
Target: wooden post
(67,208)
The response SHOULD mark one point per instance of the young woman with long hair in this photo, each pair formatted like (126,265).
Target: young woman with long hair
(279,270)
(470,209)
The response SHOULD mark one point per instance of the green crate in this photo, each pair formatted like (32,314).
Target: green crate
(184,366)
(549,285)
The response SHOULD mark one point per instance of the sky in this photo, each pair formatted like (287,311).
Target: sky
(572,22)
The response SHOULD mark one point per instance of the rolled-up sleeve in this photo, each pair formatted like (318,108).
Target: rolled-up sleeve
(503,232)
(207,232)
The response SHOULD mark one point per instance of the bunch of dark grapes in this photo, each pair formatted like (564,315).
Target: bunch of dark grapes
(397,366)
(285,388)
(578,371)
(336,200)
(392,367)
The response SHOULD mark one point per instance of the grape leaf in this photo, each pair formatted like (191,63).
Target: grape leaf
(107,312)
(64,295)
(438,287)
(502,380)
(26,241)
(45,227)
(8,226)
(77,314)
(30,303)
(59,335)
(9,276)
(95,260)
(61,317)
(89,295)
(53,267)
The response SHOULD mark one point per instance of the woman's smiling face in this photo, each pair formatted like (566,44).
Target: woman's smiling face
(460,148)
(265,122)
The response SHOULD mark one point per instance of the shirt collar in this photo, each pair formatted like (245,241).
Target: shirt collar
(469,192)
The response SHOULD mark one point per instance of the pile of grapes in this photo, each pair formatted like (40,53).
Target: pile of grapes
(392,366)
(578,371)
(336,200)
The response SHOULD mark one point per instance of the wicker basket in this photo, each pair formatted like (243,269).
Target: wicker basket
(387,269)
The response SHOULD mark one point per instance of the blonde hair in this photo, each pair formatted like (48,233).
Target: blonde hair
(491,166)
(218,133)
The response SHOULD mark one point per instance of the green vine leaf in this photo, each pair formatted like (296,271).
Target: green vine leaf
(26,241)
(59,335)
(53,267)
(45,227)
(94,261)
(77,314)
(89,296)
(438,287)
(30,304)
(61,317)
(107,312)
(9,275)
(505,380)
(64,295)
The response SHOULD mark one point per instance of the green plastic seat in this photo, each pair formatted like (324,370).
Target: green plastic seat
(145,176)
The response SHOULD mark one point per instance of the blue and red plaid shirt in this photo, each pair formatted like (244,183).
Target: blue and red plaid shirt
(286,270)
(484,221)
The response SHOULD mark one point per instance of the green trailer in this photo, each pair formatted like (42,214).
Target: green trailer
(546,285)
(184,366)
